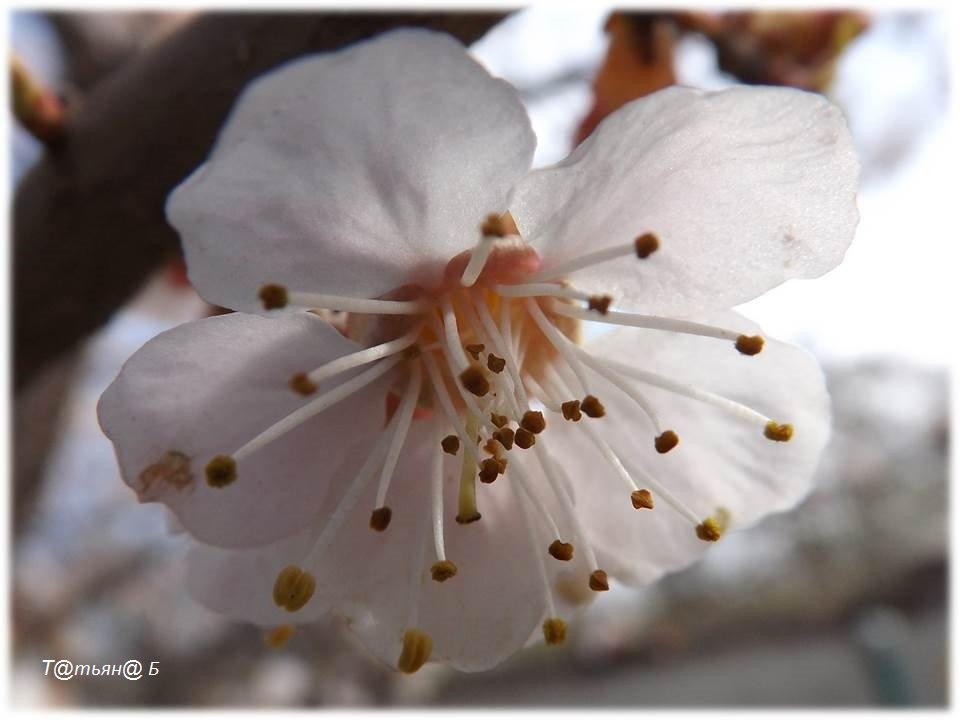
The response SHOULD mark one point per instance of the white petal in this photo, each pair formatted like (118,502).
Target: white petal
(353,172)
(721,461)
(745,188)
(204,389)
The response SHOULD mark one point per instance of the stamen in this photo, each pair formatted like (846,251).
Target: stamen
(475,350)
(315,407)
(358,305)
(362,357)
(598,581)
(561,343)
(542,395)
(749,344)
(540,290)
(408,406)
(273,296)
(599,303)
(571,410)
(642,499)
(491,230)
(642,247)
(443,570)
(524,439)
(502,345)
(417,646)
(554,631)
(380,519)
(467,499)
(450,444)
(446,404)
(436,496)
(592,407)
(675,503)
(300,383)
(221,471)
(279,636)
(489,470)
(499,420)
(666,441)
(504,436)
(533,422)
(561,550)
(293,588)
(495,364)
(646,245)
(777,432)
(474,381)
(452,335)
(709,530)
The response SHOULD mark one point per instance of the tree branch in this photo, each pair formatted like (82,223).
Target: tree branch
(88,220)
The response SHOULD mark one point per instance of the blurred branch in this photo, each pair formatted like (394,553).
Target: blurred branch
(88,223)
(35,107)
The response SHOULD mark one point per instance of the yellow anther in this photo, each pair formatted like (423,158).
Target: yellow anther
(600,303)
(380,519)
(301,383)
(777,432)
(499,420)
(443,570)
(278,637)
(504,436)
(533,421)
(524,439)
(641,499)
(571,410)
(709,530)
(495,364)
(474,350)
(493,225)
(489,469)
(598,581)
(294,588)
(561,550)
(474,381)
(273,296)
(592,407)
(221,471)
(450,444)
(749,344)
(666,441)
(417,646)
(646,245)
(554,631)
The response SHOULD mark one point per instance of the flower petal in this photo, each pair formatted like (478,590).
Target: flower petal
(721,462)
(204,389)
(745,188)
(353,173)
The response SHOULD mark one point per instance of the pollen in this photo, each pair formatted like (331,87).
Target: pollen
(524,439)
(475,381)
(499,420)
(598,581)
(592,407)
(221,471)
(561,550)
(495,364)
(494,226)
(666,441)
(302,384)
(646,245)
(533,421)
(450,444)
(417,646)
(294,588)
(504,436)
(749,344)
(278,636)
(641,499)
(475,350)
(709,530)
(443,570)
(489,469)
(571,410)
(600,303)
(380,519)
(778,432)
(554,631)
(273,296)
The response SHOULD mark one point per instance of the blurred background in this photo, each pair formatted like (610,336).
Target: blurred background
(842,602)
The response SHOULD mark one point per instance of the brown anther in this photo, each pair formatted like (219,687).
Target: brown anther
(221,471)
(443,570)
(646,245)
(491,446)
(504,436)
(474,350)
(495,364)
(777,432)
(469,519)
(533,421)
(561,550)
(709,530)
(494,226)
(502,465)
(499,420)
(474,381)
(302,384)
(380,519)
(600,303)
(294,588)
(524,439)
(666,441)
(749,344)
(554,631)
(279,636)
(598,581)
(592,407)
(450,444)
(273,296)
(571,410)
(641,499)
(417,646)
(412,352)
(489,469)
